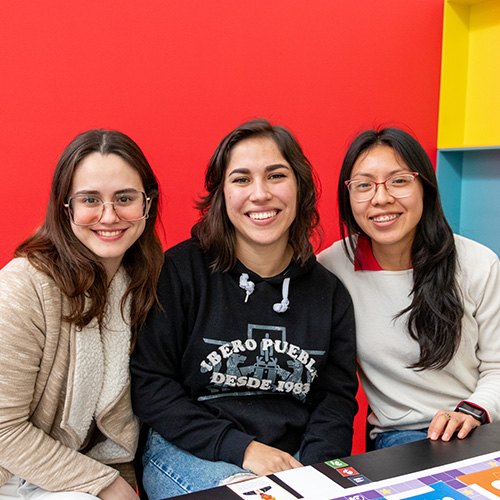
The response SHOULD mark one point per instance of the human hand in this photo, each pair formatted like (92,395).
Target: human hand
(263,460)
(446,423)
(119,489)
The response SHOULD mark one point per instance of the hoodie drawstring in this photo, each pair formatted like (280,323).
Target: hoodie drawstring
(248,286)
(282,306)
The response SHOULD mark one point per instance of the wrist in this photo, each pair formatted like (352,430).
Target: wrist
(473,410)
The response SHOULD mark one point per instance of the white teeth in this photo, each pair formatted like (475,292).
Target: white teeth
(108,233)
(385,218)
(262,215)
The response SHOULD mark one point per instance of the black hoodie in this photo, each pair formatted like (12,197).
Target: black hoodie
(220,366)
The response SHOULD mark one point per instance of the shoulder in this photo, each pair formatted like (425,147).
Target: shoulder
(185,262)
(478,267)
(19,265)
(334,257)
(475,262)
(185,251)
(188,255)
(334,250)
(474,253)
(319,271)
(30,300)
(20,272)
(327,281)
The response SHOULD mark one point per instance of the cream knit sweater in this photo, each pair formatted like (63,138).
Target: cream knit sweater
(402,398)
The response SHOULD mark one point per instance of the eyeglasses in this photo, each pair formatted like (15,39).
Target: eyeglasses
(399,186)
(88,209)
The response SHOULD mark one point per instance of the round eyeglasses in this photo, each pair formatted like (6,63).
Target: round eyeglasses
(398,186)
(88,209)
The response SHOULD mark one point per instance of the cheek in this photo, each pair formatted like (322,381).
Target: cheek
(416,207)
(83,235)
(228,206)
(233,201)
(227,202)
(294,207)
(141,226)
(418,214)
(289,194)
(358,210)
(78,232)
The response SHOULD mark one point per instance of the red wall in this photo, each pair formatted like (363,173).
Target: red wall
(178,75)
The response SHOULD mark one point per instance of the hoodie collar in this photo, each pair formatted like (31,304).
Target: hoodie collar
(293,271)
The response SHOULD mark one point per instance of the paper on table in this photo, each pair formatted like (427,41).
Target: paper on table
(310,483)
(261,488)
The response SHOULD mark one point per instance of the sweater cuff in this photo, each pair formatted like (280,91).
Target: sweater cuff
(233,445)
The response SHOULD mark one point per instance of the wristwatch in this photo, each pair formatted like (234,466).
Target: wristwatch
(474,411)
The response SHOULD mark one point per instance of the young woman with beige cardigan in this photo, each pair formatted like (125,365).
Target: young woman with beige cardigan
(71,302)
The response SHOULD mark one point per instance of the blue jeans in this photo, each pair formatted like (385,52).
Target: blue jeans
(393,438)
(170,471)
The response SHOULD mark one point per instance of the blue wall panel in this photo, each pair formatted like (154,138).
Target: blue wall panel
(469,182)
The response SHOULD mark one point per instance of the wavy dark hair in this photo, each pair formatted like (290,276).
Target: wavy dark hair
(436,309)
(55,250)
(214,229)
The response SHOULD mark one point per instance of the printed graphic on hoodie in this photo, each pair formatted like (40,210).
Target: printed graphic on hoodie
(263,362)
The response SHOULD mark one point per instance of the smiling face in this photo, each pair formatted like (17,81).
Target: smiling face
(260,191)
(105,177)
(391,223)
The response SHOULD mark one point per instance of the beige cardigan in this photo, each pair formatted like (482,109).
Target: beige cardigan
(47,396)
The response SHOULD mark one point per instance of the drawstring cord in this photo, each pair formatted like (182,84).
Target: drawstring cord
(248,286)
(282,306)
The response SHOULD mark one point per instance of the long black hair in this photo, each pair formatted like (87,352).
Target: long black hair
(436,309)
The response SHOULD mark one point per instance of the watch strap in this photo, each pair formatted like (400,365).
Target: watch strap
(474,411)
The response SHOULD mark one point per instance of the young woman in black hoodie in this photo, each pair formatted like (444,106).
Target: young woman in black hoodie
(250,366)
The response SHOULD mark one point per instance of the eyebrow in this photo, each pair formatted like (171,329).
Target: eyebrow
(371,176)
(95,192)
(269,168)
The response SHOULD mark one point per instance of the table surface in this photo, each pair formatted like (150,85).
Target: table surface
(397,460)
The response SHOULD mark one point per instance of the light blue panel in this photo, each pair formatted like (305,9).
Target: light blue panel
(480,215)
(469,182)
(449,175)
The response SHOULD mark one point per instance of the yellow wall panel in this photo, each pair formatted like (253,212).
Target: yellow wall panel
(482,118)
(454,71)
(469,110)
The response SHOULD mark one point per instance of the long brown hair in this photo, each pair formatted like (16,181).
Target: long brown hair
(214,229)
(55,250)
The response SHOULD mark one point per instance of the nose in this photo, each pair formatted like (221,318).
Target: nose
(109,215)
(260,191)
(381,195)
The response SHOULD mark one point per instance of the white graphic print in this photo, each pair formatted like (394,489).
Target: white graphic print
(264,361)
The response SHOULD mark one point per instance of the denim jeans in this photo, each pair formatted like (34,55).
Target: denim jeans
(170,471)
(393,438)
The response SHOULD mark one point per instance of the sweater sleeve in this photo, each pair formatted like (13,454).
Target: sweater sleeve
(159,394)
(25,449)
(333,396)
(487,316)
